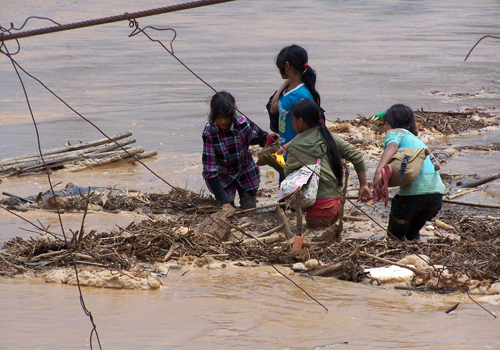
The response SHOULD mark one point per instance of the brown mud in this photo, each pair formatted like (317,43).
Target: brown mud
(459,250)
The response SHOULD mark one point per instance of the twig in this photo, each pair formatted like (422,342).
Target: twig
(261,207)
(323,306)
(482,307)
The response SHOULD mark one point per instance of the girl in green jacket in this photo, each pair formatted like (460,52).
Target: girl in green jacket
(315,140)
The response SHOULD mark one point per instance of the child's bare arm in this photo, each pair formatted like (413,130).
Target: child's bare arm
(386,157)
(274,103)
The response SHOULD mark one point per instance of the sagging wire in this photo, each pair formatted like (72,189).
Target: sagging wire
(112,19)
(82,302)
(91,123)
(132,23)
(486,36)
(9,30)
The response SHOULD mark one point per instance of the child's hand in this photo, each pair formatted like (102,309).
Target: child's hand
(364,193)
(226,205)
(377,182)
(281,151)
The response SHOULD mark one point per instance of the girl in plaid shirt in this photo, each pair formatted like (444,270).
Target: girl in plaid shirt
(228,165)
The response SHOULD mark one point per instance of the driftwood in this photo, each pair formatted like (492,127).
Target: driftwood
(482,181)
(77,157)
(283,221)
(271,231)
(337,270)
(266,240)
(215,224)
(261,207)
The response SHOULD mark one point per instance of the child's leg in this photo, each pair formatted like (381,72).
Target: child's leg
(322,215)
(425,214)
(401,215)
(247,200)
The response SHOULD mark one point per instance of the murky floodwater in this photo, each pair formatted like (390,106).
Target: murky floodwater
(367,54)
(251,308)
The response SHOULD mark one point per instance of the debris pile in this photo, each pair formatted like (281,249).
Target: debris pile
(461,256)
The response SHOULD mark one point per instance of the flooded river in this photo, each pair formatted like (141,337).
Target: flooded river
(367,54)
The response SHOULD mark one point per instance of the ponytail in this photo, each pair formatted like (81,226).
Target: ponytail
(309,80)
(310,112)
(297,57)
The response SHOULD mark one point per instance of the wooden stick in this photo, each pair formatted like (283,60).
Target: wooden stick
(241,227)
(18,268)
(271,231)
(284,221)
(147,154)
(298,210)
(266,240)
(482,181)
(463,193)
(342,205)
(106,160)
(169,253)
(479,205)
(261,207)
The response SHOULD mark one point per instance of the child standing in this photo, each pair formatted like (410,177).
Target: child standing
(420,200)
(228,166)
(300,83)
(315,140)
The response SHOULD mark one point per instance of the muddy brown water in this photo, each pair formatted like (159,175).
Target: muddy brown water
(368,55)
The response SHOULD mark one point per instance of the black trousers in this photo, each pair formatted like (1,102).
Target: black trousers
(410,213)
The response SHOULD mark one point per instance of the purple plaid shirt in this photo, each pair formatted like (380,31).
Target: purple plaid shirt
(226,155)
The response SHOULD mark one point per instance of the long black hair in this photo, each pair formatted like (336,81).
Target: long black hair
(222,103)
(297,57)
(401,117)
(310,113)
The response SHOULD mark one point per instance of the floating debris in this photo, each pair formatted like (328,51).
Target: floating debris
(84,155)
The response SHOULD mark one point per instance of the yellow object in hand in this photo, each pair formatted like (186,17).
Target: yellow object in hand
(280,159)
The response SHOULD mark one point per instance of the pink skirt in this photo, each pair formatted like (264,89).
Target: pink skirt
(323,213)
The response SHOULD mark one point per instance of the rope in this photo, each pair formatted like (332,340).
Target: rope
(124,17)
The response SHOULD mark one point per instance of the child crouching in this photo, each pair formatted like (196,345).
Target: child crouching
(314,140)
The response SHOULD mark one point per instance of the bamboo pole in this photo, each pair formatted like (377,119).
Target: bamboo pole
(147,154)
(89,163)
(69,148)
(48,157)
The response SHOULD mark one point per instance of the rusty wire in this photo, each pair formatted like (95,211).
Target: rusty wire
(486,36)
(106,20)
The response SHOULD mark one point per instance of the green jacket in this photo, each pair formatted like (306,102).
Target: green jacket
(308,146)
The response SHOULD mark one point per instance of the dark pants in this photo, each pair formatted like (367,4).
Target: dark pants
(410,213)
(247,200)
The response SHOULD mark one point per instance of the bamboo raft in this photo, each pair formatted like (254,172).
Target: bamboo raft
(84,155)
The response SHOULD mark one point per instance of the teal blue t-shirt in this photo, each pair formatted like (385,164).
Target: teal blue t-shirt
(287,132)
(428,180)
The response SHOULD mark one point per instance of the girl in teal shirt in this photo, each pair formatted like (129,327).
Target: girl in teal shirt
(419,201)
